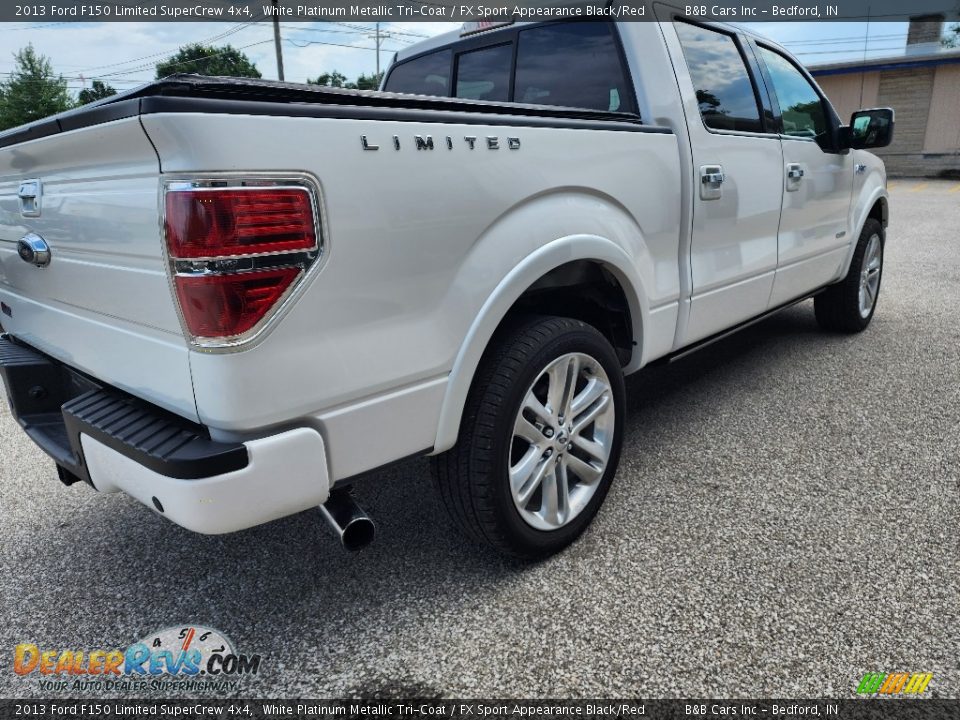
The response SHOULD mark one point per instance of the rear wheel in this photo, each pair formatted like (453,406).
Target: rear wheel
(540,438)
(849,305)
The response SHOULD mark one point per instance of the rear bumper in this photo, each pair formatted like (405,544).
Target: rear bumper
(286,474)
(116,442)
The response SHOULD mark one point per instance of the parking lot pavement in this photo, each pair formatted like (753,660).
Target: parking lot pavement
(785,519)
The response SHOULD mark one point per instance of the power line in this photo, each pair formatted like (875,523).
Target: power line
(343,32)
(34,27)
(370,29)
(851,51)
(187,62)
(847,41)
(306,43)
(393,29)
(214,38)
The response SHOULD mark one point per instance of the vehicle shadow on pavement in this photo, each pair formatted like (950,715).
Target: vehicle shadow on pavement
(415,541)
(262,585)
(728,359)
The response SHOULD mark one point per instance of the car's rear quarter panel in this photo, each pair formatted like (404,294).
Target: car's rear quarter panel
(416,243)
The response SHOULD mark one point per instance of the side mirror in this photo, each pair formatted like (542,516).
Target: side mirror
(870,129)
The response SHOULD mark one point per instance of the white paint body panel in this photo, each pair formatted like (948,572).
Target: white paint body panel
(287,474)
(869,188)
(103,305)
(815,228)
(733,238)
(419,242)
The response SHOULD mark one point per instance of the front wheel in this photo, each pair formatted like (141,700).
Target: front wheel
(540,438)
(849,305)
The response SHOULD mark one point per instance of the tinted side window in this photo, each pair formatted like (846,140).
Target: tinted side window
(425,75)
(724,90)
(485,74)
(800,105)
(574,64)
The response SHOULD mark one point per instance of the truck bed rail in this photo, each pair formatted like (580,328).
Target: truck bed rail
(197,93)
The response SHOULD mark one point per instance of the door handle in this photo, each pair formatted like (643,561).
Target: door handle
(711,180)
(794,177)
(29,197)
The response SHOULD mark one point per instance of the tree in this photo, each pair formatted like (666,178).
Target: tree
(334,79)
(32,91)
(339,80)
(98,91)
(709,103)
(208,60)
(369,82)
(952,38)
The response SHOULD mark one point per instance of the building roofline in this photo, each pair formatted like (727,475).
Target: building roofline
(898,62)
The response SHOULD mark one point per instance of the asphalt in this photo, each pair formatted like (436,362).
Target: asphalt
(785,519)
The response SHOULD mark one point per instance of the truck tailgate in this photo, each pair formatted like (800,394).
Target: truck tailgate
(103,304)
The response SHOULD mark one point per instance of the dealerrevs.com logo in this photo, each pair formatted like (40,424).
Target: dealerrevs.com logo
(184,657)
(894,683)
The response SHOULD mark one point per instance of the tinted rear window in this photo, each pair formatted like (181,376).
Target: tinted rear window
(425,75)
(573,64)
(485,74)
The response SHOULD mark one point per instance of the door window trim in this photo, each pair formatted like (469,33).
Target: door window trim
(740,41)
(830,114)
(511,70)
(418,56)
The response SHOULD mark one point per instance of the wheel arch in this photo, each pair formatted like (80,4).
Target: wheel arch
(547,269)
(879,211)
(872,204)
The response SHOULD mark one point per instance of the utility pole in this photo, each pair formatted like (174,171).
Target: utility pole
(276,38)
(379,35)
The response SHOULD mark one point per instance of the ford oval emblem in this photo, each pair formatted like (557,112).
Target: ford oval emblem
(34,249)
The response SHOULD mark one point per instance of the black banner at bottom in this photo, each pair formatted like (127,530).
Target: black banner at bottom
(420,709)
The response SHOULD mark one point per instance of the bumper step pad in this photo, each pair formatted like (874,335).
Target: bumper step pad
(161,441)
(55,405)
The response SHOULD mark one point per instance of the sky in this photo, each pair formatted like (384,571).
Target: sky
(124,54)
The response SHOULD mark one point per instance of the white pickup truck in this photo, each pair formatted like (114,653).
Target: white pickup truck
(230,298)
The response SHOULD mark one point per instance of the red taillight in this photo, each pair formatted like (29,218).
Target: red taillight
(228,305)
(237,252)
(218,223)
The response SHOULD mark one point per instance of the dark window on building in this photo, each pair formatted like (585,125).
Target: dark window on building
(485,74)
(425,75)
(572,64)
(801,107)
(724,91)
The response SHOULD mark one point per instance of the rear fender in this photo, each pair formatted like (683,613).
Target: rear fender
(533,267)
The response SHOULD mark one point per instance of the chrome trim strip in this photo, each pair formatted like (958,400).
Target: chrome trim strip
(236,265)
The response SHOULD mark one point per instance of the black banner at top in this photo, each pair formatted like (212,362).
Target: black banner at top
(484,11)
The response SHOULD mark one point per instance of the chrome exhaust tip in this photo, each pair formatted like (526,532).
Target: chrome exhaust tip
(351,524)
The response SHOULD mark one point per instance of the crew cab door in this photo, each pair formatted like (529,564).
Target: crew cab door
(737,177)
(818,181)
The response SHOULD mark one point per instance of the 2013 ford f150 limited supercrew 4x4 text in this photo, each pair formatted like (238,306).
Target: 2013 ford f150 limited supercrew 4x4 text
(229,298)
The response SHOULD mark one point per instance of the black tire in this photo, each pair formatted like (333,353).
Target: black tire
(472,477)
(838,307)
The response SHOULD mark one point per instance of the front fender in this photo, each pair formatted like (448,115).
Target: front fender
(872,188)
